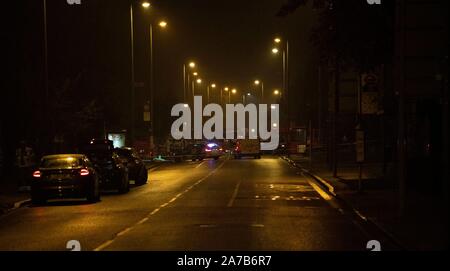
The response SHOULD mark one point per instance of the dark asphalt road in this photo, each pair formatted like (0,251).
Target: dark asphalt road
(213,205)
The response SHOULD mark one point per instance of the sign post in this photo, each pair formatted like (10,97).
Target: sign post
(360,153)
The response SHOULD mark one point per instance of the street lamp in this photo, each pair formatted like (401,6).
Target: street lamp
(285,66)
(257,83)
(221,93)
(208,88)
(198,81)
(233,91)
(145,4)
(186,79)
(163,24)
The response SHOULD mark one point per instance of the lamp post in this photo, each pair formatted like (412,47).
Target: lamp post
(186,79)
(221,93)
(132,131)
(208,90)
(257,83)
(161,24)
(233,91)
(198,81)
(285,66)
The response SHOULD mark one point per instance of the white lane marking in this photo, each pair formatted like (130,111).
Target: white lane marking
(109,242)
(124,231)
(199,164)
(233,197)
(104,245)
(142,220)
(155,211)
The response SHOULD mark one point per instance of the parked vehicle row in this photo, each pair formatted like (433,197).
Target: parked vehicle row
(100,167)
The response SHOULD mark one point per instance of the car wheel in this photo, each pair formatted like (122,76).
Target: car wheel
(125,184)
(92,196)
(143,176)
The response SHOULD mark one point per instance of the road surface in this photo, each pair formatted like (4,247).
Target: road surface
(248,204)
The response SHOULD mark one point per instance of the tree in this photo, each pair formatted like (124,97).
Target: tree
(358,34)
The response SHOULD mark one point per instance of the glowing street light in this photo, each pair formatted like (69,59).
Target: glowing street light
(145,4)
(163,24)
(213,85)
(275,50)
(277,40)
(256,82)
(192,64)
(276,92)
(199,81)
(233,91)
(195,73)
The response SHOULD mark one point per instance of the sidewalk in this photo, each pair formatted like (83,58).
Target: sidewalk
(423,226)
(10,198)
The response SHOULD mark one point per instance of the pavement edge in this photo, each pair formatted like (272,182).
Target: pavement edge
(332,190)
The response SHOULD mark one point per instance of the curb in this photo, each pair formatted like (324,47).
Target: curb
(15,205)
(330,188)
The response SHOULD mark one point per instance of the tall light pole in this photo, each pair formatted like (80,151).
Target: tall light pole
(233,91)
(221,93)
(186,79)
(257,83)
(132,109)
(162,24)
(198,81)
(47,96)
(208,90)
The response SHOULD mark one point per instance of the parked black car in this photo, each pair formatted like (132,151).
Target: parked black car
(65,175)
(113,173)
(137,170)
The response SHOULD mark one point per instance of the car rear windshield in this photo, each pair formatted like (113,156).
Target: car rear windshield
(61,162)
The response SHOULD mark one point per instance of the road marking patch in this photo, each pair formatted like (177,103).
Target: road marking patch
(124,231)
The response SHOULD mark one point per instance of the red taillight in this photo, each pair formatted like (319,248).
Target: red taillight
(237,148)
(37,174)
(84,172)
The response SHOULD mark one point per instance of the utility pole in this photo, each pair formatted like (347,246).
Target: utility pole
(132,109)
(46,88)
(335,117)
(400,89)
(152,92)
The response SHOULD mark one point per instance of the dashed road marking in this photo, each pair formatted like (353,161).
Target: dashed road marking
(233,197)
(126,230)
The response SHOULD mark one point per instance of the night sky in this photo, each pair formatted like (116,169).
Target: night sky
(89,51)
